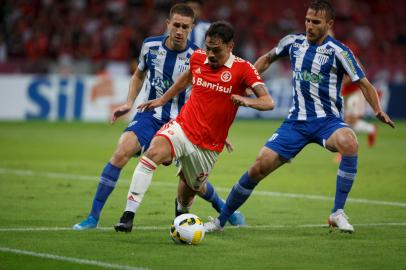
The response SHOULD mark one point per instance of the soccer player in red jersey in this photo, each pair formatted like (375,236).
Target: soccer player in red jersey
(198,134)
(355,105)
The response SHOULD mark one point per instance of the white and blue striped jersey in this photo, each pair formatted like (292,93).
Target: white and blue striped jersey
(198,33)
(164,66)
(318,71)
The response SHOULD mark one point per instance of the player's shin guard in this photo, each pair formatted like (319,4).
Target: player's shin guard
(345,178)
(107,182)
(211,196)
(238,195)
(140,183)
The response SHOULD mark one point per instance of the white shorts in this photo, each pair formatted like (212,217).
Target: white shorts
(355,104)
(196,163)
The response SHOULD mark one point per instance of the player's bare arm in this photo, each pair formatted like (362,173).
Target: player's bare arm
(136,82)
(265,61)
(262,102)
(371,96)
(180,85)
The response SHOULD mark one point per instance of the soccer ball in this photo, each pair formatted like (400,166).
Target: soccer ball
(187,229)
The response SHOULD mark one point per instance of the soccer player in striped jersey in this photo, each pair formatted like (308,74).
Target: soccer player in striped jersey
(161,61)
(319,63)
(198,134)
(201,26)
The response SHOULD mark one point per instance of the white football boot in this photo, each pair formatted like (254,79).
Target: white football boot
(213,225)
(339,220)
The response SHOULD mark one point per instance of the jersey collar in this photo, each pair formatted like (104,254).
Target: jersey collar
(228,63)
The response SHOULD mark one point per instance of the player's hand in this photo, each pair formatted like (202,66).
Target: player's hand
(150,105)
(120,111)
(229,146)
(385,119)
(239,100)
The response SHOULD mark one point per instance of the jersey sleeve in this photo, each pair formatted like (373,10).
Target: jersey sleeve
(350,64)
(251,75)
(142,59)
(284,45)
(192,60)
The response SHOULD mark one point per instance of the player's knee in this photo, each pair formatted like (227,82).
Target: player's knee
(348,145)
(160,151)
(159,155)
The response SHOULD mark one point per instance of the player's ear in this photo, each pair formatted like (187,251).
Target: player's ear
(230,45)
(330,24)
(168,22)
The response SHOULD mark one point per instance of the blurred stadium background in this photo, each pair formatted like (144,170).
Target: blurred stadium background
(71,60)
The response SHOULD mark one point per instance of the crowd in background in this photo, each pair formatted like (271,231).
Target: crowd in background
(86,36)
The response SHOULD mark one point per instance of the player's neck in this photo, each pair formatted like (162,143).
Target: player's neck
(172,46)
(320,40)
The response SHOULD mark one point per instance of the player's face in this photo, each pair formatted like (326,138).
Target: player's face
(217,51)
(179,28)
(317,25)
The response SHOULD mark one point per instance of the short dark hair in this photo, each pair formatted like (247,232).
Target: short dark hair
(182,9)
(222,30)
(319,5)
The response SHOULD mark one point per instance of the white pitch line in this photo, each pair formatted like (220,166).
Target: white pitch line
(31,229)
(165,184)
(69,259)
(163,228)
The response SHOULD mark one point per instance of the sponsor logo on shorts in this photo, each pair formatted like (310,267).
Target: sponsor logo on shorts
(132,123)
(273,137)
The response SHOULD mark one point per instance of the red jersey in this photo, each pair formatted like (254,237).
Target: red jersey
(209,112)
(349,88)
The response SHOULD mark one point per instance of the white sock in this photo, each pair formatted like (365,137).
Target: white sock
(140,182)
(362,126)
(184,209)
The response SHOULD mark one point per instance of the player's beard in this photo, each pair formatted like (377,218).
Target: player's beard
(178,43)
(213,64)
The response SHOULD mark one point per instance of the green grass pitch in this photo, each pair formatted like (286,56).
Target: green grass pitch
(49,173)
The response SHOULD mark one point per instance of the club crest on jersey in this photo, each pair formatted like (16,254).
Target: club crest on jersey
(226,76)
(182,68)
(198,71)
(322,59)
